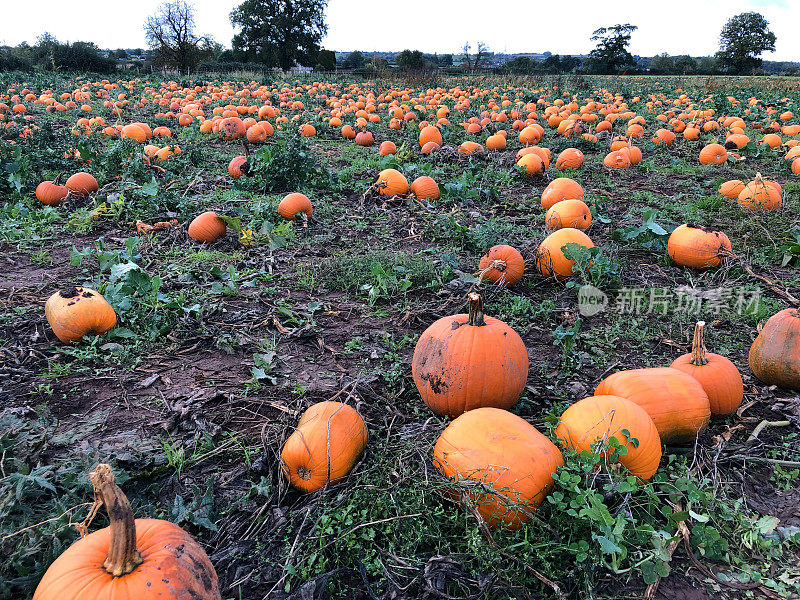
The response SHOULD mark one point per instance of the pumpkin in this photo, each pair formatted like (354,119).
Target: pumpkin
(571,158)
(365,138)
(697,247)
(568,213)
(496,142)
(326,444)
(391,182)
(134,132)
(618,159)
(386,148)
(231,128)
(502,264)
(130,559)
(561,188)
(674,400)
(256,134)
(238,167)
(775,354)
(512,463)
(731,189)
(550,259)
(294,204)
(430,134)
(713,154)
(348,132)
(470,147)
(467,361)
(74,312)
(207,227)
(759,194)
(430,148)
(531,164)
(598,418)
(307,130)
(425,188)
(51,193)
(82,184)
(542,153)
(719,376)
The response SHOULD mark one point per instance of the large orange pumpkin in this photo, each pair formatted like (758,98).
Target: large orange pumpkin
(141,559)
(75,312)
(425,188)
(550,259)
(467,361)
(719,376)
(207,227)
(760,195)
(775,354)
(502,264)
(561,188)
(512,463)
(391,182)
(697,247)
(713,154)
(674,400)
(598,418)
(568,213)
(51,193)
(294,204)
(326,444)
(82,184)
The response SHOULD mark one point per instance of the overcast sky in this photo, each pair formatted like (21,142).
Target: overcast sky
(431,25)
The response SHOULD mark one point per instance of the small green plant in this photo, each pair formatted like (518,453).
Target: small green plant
(594,267)
(567,338)
(649,235)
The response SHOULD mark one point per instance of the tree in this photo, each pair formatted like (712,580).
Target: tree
(611,54)
(410,60)
(279,32)
(354,60)
(326,60)
(662,64)
(570,63)
(685,65)
(377,65)
(483,49)
(743,38)
(170,32)
(446,60)
(465,49)
(520,65)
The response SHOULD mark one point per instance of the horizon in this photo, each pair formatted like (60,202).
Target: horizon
(346,20)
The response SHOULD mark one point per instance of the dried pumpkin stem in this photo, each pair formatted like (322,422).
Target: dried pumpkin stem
(476,310)
(123,557)
(698,346)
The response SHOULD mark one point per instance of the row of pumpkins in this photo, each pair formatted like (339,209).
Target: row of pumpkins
(471,367)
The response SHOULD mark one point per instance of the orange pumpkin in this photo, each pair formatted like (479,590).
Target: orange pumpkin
(365,138)
(238,167)
(506,455)
(731,189)
(141,558)
(75,312)
(502,264)
(326,444)
(294,204)
(561,188)
(386,148)
(618,159)
(719,376)
(231,128)
(391,182)
(674,400)
(207,227)
(568,213)
(775,354)
(759,194)
(571,158)
(82,184)
(430,134)
(713,154)
(51,193)
(697,247)
(550,259)
(598,418)
(425,188)
(467,361)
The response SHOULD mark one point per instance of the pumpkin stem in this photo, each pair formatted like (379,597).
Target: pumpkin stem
(123,557)
(475,311)
(698,346)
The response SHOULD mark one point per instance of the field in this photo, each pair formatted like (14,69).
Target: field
(220,347)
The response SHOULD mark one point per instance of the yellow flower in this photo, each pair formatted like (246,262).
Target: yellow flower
(247,237)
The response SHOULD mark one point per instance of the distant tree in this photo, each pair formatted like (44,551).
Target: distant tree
(482,50)
(377,65)
(520,65)
(446,60)
(279,32)
(51,55)
(707,65)
(611,54)
(569,63)
(410,60)
(121,54)
(551,64)
(662,64)
(354,60)
(685,65)
(170,32)
(465,49)
(326,60)
(743,38)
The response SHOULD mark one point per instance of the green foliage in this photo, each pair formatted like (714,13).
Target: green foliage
(611,54)
(742,40)
(287,166)
(649,235)
(593,266)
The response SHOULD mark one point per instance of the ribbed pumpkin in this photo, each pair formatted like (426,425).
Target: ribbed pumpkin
(598,418)
(82,184)
(425,188)
(294,204)
(775,354)
(568,213)
(618,159)
(348,132)
(697,247)
(467,361)
(503,264)
(731,189)
(496,142)
(719,376)
(75,312)
(531,164)
(760,195)
(386,148)
(570,158)
(713,154)
(231,128)
(550,259)
(506,455)
(392,182)
(51,193)
(139,559)
(469,147)
(562,188)
(674,400)
(326,430)
(430,134)
(207,227)
(365,138)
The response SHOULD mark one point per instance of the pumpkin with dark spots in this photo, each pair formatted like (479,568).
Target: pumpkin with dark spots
(775,354)
(467,361)
(75,312)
